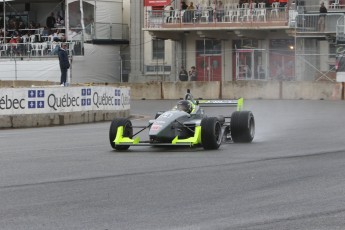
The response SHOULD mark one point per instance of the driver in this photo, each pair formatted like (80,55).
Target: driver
(185,105)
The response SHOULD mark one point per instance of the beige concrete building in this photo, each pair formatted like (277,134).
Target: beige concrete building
(235,40)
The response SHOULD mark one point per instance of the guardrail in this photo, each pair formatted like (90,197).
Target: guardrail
(309,22)
(112,31)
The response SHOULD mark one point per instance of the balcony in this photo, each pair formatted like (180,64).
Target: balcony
(234,19)
(309,23)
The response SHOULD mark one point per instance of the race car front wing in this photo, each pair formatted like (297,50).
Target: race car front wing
(191,141)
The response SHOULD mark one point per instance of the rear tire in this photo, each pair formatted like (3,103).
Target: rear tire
(242,126)
(211,133)
(127,132)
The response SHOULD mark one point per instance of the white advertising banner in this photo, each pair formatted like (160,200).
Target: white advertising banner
(63,99)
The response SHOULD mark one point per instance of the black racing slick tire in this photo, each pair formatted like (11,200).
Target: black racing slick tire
(127,132)
(242,126)
(211,133)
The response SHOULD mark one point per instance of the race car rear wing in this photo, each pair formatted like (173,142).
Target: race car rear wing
(222,103)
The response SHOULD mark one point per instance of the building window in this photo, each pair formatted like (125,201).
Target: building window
(208,47)
(158,49)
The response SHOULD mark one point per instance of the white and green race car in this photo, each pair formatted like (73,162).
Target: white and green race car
(187,124)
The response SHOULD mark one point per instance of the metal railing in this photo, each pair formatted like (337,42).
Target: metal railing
(36,49)
(310,22)
(340,30)
(111,31)
(236,17)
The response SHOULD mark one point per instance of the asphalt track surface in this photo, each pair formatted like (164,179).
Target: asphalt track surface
(290,177)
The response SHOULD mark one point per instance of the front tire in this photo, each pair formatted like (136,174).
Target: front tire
(211,133)
(242,126)
(127,132)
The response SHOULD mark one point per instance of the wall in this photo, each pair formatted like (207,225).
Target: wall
(291,90)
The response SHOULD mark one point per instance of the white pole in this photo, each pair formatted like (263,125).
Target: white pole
(82,23)
(4,22)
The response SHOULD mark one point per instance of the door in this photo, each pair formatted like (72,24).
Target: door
(250,64)
(209,67)
(209,60)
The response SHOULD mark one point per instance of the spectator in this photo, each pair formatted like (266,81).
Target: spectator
(51,21)
(184,6)
(193,75)
(322,18)
(183,75)
(171,14)
(12,48)
(21,25)
(32,25)
(64,63)
(188,15)
(220,11)
(60,21)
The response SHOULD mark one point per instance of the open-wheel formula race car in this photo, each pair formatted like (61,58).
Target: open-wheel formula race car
(187,124)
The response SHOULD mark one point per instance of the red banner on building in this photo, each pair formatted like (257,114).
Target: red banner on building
(157,2)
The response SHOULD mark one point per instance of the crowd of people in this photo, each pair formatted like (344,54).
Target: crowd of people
(215,9)
(19,34)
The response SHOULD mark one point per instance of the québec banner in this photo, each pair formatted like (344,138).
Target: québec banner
(63,99)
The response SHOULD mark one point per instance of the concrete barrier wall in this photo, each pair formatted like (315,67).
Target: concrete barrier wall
(311,90)
(252,89)
(41,120)
(150,90)
(176,90)
(235,89)
(173,90)
(54,105)
(220,90)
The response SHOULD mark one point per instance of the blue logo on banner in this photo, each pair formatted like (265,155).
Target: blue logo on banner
(86,93)
(117,92)
(40,104)
(35,95)
(40,93)
(32,93)
(32,104)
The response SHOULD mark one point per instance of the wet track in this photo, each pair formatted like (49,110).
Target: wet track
(290,177)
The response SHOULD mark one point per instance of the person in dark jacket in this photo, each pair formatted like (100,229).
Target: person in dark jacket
(64,63)
(50,23)
(322,18)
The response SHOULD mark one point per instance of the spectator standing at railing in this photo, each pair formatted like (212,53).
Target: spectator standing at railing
(184,6)
(171,14)
(50,23)
(188,15)
(220,11)
(64,63)
(12,48)
(322,17)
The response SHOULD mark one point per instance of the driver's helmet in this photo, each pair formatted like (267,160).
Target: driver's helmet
(185,105)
